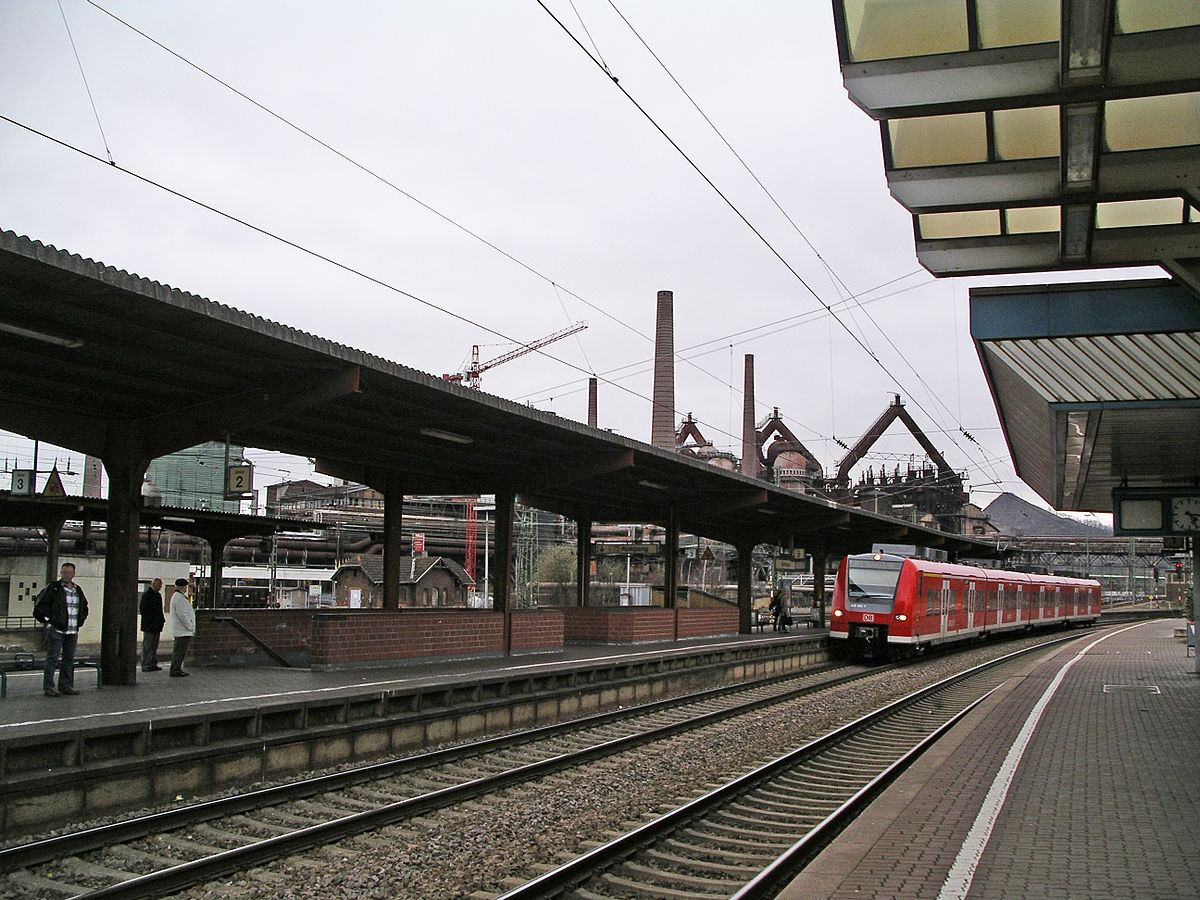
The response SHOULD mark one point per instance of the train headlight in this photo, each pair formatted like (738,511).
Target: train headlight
(837,613)
(902,618)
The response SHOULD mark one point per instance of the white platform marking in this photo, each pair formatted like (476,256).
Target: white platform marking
(962,873)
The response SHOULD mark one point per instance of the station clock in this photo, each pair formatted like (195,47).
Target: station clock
(1185,515)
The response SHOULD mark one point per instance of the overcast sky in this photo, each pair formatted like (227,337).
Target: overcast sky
(492,117)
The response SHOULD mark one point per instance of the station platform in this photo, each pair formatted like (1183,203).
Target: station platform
(1079,778)
(26,711)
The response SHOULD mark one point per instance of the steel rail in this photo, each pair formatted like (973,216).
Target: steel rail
(238,859)
(560,881)
(83,840)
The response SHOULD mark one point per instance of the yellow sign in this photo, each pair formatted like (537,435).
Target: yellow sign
(54,486)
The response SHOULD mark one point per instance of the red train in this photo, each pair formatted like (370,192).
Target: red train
(892,606)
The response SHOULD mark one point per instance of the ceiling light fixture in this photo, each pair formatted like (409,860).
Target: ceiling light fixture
(653,484)
(448,436)
(69,343)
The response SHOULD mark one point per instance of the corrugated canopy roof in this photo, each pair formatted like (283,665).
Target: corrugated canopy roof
(1097,386)
(73,337)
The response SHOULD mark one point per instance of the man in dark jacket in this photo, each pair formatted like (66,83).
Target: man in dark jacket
(63,608)
(150,607)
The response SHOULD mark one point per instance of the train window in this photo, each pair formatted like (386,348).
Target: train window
(871,583)
(931,597)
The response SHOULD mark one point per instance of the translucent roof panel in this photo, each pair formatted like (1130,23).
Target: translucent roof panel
(1155,15)
(1140,213)
(1026,133)
(1033,219)
(888,29)
(1143,123)
(938,140)
(1005,23)
(973,223)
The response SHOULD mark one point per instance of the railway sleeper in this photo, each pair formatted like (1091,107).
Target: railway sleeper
(96,873)
(716,830)
(750,855)
(145,862)
(744,871)
(667,891)
(712,834)
(43,886)
(639,870)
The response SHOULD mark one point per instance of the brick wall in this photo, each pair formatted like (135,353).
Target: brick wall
(631,624)
(537,629)
(358,637)
(286,631)
(699,622)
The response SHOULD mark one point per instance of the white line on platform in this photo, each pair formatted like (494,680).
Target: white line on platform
(962,873)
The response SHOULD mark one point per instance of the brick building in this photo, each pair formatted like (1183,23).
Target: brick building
(425,581)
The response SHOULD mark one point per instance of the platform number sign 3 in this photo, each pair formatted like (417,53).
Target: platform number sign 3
(22,482)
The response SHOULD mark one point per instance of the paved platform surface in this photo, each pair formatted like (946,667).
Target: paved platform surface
(1103,802)
(26,710)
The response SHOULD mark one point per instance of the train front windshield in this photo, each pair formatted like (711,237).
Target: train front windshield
(871,583)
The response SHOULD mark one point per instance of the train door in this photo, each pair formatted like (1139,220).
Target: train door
(971,606)
(947,604)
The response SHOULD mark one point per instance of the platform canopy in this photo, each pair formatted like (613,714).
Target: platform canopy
(1035,135)
(73,337)
(1097,385)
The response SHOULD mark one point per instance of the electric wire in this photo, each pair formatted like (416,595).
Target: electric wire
(857,339)
(87,87)
(386,182)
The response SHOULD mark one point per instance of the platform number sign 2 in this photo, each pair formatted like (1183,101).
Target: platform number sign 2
(239,481)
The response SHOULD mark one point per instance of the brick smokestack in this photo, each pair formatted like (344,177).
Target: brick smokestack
(592,402)
(662,413)
(749,430)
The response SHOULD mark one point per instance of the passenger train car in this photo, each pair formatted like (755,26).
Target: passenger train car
(892,606)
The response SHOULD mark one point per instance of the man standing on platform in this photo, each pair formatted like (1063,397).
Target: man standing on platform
(153,619)
(62,607)
(183,626)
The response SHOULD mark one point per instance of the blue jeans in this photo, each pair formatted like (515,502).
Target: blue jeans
(59,644)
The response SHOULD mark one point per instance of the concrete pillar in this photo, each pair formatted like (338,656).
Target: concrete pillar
(818,557)
(745,585)
(671,563)
(53,536)
(503,570)
(662,412)
(592,405)
(119,638)
(1195,595)
(583,561)
(749,429)
(393,521)
(216,570)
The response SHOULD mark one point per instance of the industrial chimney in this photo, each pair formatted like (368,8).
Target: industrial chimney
(749,430)
(592,402)
(662,413)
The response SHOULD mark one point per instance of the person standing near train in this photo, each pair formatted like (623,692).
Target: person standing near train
(62,608)
(183,627)
(150,607)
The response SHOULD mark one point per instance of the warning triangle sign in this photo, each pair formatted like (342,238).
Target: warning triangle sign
(54,485)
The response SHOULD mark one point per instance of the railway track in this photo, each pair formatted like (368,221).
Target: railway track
(750,837)
(165,852)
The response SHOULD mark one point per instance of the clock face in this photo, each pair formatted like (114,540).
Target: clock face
(1185,514)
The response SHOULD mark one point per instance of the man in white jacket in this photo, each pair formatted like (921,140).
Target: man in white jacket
(183,626)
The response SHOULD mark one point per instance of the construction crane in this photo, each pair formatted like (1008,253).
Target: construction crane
(470,376)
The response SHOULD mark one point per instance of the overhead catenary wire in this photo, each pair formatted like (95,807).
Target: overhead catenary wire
(860,341)
(389,184)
